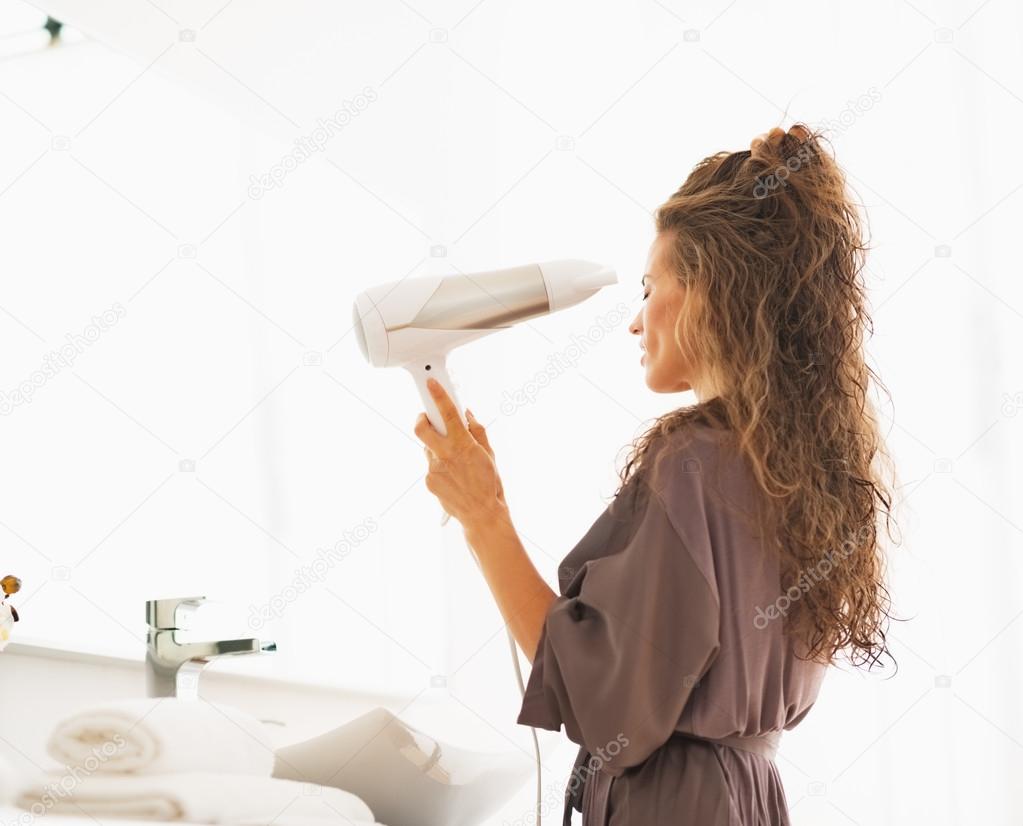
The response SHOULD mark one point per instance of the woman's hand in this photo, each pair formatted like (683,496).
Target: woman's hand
(462,474)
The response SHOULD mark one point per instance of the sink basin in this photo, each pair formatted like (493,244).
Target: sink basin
(405,776)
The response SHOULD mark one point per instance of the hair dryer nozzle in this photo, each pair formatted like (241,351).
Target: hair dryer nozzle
(572,280)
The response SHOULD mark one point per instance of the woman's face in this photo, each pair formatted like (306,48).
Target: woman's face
(667,369)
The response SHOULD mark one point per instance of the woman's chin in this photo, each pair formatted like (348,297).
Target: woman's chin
(659,386)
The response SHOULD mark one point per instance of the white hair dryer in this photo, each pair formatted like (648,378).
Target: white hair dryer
(414,322)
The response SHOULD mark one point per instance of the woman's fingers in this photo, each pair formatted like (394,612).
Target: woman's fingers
(480,435)
(478,432)
(448,411)
(426,432)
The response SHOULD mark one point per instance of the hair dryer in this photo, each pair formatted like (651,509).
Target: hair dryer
(414,322)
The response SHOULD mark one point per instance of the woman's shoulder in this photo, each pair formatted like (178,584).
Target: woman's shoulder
(683,464)
(693,448)
(698,474)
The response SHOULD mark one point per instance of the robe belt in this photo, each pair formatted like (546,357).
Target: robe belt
(766,745)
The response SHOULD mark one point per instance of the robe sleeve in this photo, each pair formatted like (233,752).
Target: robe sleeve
(623,647)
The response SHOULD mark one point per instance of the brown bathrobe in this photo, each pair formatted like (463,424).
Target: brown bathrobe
(664,656)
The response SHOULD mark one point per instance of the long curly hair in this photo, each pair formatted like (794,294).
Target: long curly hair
(770,244)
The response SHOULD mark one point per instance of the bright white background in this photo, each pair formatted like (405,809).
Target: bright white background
(226,428)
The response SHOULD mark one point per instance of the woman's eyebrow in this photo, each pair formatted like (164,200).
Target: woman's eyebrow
(645,277)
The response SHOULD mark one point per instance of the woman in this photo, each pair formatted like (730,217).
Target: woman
(740,555)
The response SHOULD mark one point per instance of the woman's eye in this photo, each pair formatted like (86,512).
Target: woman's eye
(645,295)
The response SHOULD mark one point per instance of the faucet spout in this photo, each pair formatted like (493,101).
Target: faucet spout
(173,665)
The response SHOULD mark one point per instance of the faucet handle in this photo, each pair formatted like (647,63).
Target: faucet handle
(172,613)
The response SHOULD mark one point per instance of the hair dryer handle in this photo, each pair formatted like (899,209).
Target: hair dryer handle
(438,370)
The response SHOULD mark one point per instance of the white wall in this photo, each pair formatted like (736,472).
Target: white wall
(126,178)
(225,428)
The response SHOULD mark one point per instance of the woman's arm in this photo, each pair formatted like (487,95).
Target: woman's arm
(522,595)
(464,477)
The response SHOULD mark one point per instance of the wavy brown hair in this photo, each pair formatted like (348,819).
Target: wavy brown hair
(770,244)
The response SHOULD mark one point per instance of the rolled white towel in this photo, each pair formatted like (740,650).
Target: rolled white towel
(195,797)
(159,735)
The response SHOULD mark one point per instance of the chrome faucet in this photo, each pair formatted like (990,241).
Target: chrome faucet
(172,667)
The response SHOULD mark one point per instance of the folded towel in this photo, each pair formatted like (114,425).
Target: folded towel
(195,797)
(159,735)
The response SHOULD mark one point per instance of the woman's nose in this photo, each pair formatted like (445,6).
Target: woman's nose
(634,327)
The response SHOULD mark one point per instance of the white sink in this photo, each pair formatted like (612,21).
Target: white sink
(405,776)
(411,777)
